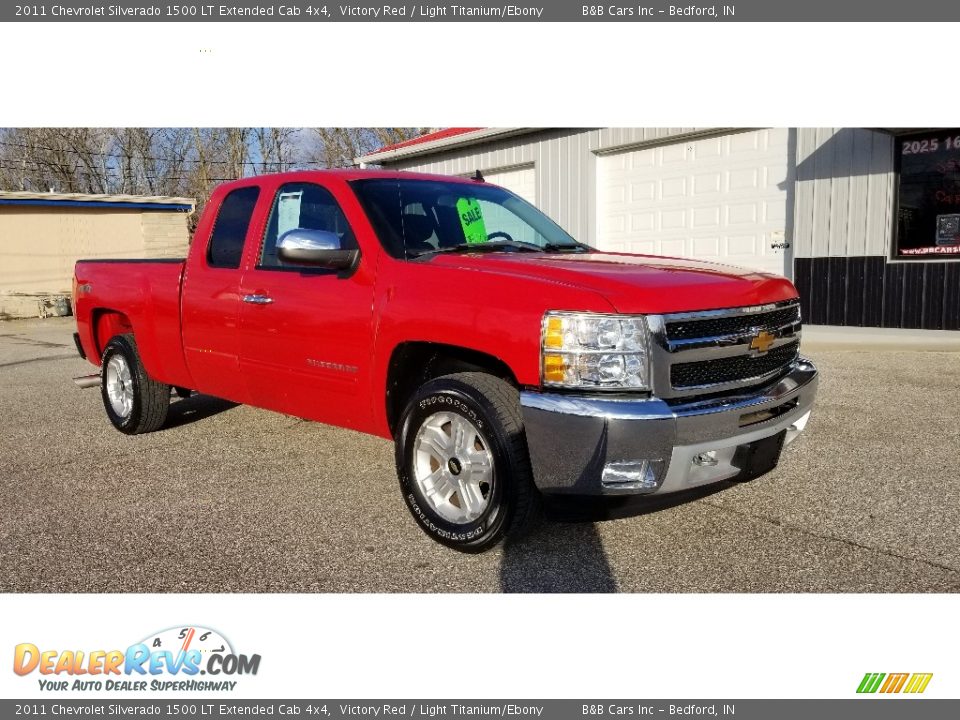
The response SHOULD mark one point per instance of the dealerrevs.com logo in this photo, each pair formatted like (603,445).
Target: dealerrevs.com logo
(172,659)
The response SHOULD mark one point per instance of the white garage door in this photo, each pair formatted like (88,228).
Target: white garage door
(522,181)
(722,199)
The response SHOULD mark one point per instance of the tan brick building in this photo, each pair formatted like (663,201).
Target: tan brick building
(42,235)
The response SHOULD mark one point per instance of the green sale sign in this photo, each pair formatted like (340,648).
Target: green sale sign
(471,219)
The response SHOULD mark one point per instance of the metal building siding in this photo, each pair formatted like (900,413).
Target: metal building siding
(607,139)
(843,205)
(870,291)
(843,199)
(844,214)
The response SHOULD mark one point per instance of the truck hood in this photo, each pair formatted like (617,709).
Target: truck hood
(637,283)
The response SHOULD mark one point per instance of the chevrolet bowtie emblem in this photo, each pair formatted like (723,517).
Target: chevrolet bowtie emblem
(762,341)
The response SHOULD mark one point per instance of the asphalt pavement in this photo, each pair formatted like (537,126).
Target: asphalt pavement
(230,498)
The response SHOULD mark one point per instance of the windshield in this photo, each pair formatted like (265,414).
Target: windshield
(421,217)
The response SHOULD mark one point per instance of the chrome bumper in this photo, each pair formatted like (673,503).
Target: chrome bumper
(591,444)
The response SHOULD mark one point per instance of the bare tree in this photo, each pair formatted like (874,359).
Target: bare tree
(339,147)
(276,148)
(173,161)
(151,161)
(67,159)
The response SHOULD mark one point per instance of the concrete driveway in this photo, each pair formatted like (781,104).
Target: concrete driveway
(233,499)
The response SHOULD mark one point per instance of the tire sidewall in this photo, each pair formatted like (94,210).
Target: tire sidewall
(122,346)
(457,398)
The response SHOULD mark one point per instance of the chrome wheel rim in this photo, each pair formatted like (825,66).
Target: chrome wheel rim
(453,467)
(119,385)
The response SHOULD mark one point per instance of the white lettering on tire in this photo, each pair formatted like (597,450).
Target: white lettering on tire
(453,402)
(428,523)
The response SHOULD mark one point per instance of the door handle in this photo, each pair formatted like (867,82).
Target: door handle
(258,299)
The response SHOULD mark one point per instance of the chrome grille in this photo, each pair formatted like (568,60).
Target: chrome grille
(709,352)
(712,327)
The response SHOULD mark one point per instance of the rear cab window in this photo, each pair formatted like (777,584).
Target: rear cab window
(230,228)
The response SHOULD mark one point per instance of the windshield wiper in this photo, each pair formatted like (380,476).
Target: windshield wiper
(495,245)
(578,247)
(489,246)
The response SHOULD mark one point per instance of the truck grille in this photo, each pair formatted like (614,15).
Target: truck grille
(710,353)
(687,329)
(732,369)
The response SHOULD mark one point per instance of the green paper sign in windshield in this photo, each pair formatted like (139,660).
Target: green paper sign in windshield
(471,219)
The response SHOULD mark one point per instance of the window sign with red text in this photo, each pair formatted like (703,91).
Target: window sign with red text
(928,217)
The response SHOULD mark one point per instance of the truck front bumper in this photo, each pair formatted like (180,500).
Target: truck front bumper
(595,444)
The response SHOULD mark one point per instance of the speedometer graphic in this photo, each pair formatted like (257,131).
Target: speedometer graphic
(185,638)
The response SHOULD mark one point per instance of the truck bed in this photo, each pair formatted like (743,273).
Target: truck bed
(138,295)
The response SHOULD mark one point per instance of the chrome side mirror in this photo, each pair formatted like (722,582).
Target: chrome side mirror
(315,247)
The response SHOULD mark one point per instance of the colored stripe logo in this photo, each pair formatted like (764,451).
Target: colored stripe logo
(913,683)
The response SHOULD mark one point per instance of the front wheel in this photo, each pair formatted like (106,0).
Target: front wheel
(134,402)
(462,461)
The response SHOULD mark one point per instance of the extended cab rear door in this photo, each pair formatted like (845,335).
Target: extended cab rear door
(211,293)
(306,332)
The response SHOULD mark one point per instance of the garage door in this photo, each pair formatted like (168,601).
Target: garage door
(722,199)
(522,181)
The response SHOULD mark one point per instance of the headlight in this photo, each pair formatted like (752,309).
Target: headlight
(584,350)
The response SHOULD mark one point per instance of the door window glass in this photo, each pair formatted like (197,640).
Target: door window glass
(308,207)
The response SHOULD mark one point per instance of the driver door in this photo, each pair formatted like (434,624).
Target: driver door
(305,331)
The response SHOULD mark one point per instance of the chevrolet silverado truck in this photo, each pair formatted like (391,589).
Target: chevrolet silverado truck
(504,359)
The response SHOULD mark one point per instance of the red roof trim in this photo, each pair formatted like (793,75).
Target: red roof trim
(429,137)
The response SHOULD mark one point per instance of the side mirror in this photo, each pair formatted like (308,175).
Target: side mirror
(315,247)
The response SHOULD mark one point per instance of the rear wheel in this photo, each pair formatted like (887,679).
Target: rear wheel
(462,461)
(134,402)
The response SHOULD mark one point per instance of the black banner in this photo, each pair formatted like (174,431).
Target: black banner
(483,11)
(873,708)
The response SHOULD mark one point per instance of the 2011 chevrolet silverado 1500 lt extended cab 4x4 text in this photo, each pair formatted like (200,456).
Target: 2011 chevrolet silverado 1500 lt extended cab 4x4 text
(503,357)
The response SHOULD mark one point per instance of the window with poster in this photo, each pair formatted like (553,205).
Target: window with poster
(928,196)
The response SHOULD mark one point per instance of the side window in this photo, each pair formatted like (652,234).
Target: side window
(230,228)
(304,206)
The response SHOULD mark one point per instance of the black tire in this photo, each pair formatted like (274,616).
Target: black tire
(492,406)
(151,399)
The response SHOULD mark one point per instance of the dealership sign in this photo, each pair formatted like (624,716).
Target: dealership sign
(928,200)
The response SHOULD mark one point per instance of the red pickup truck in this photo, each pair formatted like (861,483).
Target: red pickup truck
(503,357)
